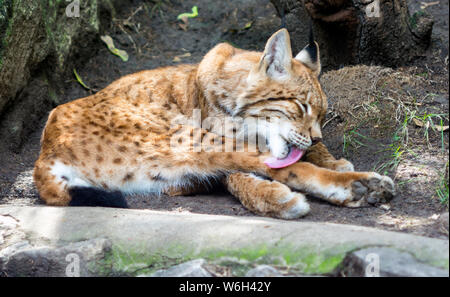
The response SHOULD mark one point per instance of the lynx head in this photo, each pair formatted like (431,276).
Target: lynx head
(274,86)
(286,91)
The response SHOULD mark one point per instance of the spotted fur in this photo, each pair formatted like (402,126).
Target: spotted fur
(121,139)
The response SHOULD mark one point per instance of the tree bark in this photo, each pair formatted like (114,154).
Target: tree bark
(380,32)
(38,43)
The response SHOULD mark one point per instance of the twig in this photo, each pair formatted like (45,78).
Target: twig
(138,51)
(133,14)
(334,116)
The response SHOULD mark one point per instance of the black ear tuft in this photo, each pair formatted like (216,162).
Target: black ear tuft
(312,47)
(283,18)
(282,13)
(311,33)
(310,55)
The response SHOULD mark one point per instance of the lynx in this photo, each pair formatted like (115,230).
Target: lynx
(121,139)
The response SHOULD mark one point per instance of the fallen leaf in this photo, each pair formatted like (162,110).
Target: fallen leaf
(178,58)
(189,15)
(110,44)
(79,80)
(418,122)
(435,216)
(441,128)
(424,5)
(248,25)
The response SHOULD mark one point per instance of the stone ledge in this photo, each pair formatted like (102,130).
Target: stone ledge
(159,240)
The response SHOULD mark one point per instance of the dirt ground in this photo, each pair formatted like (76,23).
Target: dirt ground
(380,119)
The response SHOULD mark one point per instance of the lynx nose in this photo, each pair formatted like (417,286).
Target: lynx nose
(315,140)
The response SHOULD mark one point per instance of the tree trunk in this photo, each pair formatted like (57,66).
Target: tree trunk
(38,43)
(380,32)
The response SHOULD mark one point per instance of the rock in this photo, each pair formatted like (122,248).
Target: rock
(232,260)
(133,268)
(270,259)
(189,269)
(7,226)
(6,253)
(387,262)
(358,32)
(37,42)
(235,266)
(151,237)
(7,222)
(443,221)
(441,99)
(263,271)
(75,259)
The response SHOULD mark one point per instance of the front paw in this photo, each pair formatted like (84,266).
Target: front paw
(279,148)
(374,189)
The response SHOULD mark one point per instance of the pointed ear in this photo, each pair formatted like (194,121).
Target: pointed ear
(310,57)
(277,57)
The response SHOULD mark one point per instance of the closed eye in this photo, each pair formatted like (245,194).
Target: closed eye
(303,107)
(279,108)
(280,112)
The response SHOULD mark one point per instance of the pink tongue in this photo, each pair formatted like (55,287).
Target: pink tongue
(294,155)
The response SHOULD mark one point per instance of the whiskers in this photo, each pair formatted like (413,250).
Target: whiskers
(299,140)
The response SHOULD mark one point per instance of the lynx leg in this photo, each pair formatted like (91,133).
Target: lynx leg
(189,190)
(172,192)
(266,197)
(51,189)
(319,155)
(352,189)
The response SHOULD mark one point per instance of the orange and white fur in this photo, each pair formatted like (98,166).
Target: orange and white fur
(119,140)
